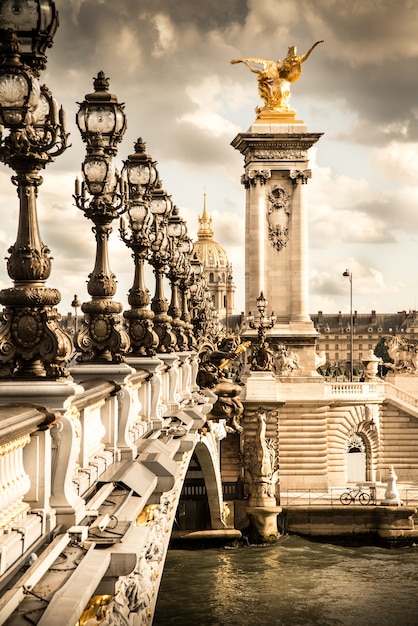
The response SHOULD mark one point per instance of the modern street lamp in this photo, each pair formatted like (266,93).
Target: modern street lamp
(349,275)
(32,342)
(102,198)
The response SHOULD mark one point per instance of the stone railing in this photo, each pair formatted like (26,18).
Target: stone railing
(398,394)
(63,442)
(23,431)
(363,390)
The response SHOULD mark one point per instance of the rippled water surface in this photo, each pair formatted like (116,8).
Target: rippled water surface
(293,583)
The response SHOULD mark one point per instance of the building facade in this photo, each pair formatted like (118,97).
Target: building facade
(216,267)
(369,331)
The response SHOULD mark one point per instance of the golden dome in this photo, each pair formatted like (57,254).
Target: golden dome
(210,253)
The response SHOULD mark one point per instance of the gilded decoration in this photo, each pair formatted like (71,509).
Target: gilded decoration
(274,79)
(278,211)
(11,446)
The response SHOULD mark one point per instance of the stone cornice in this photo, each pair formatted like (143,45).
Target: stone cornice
(275,146)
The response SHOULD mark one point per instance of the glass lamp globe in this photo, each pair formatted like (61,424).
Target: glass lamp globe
(100,114)
(141,170)
(35,23)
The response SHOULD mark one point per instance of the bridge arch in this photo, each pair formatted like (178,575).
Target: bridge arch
(209,463)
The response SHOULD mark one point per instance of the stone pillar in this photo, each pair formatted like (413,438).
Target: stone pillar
(276,245)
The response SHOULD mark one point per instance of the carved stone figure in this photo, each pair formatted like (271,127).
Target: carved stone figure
(262,358)
(213,375)
(274,77)
(404,355)
(261,462)
(287,362)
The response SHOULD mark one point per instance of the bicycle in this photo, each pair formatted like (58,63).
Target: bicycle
(350,496)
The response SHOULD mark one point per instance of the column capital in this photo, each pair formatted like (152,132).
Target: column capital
(300,176)
(253,176)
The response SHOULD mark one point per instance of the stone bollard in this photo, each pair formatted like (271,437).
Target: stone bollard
(392,497)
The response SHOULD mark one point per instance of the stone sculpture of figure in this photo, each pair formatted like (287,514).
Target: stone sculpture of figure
(274,77)
(287,362)
(262,358)
(212,375)
(262,467)
(404,355)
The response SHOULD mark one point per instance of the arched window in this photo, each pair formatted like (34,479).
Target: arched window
(356,459)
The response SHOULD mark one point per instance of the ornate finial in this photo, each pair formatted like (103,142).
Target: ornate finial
(101,83)
(140,145)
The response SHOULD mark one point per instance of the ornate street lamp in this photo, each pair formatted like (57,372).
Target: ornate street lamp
(177,266)
(101,197)
(135,232)
(161,206)
(76,304)
(32,342)
(262,322)
(349,275)
(186,248)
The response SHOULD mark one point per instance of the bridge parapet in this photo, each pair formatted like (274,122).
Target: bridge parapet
(94,462)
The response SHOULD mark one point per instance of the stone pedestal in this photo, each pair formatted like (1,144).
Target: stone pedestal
(263,523)
(276,245)
(260,387)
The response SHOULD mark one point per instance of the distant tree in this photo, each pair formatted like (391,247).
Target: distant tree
(381,351)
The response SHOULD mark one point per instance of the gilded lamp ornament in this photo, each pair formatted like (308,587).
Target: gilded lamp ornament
(32,342)
(101,197)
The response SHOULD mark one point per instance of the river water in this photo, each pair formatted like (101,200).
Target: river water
(294,582)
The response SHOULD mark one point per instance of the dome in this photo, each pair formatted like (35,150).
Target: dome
(210,253)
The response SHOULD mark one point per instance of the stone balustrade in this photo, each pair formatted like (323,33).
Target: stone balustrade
(56,446)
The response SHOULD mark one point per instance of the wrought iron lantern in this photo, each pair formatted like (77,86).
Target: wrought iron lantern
(101,118)
(19,89)
(35,23)
(141,172)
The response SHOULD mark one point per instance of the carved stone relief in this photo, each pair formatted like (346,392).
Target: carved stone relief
(278,211)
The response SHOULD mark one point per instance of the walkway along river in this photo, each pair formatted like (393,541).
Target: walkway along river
(295,582)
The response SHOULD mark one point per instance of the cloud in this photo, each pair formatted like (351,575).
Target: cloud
(169,62)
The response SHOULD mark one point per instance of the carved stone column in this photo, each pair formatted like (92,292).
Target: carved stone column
(276,245)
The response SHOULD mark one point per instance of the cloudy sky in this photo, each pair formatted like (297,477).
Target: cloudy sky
(169,62)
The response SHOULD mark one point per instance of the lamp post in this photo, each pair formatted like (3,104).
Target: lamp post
(76,304)
(262,356)
(135,232)
(32,342)
(349,275)
(161,206)
(180,246)
(262,322)
(101,197)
